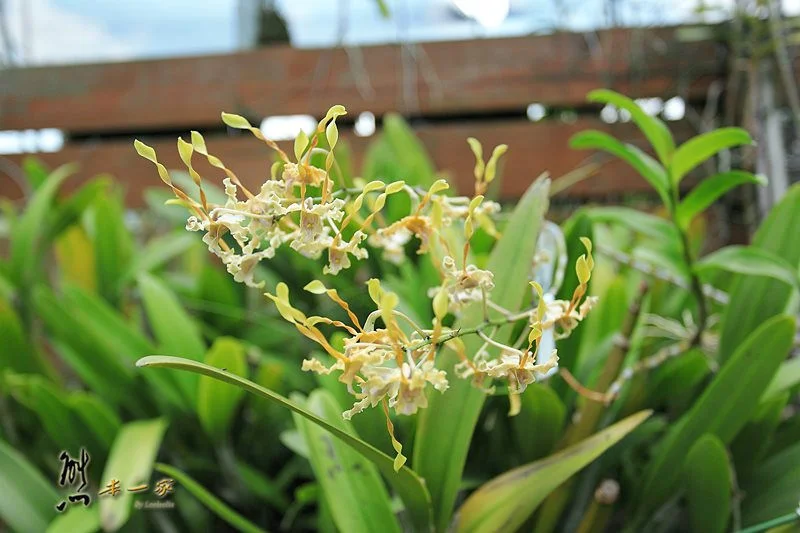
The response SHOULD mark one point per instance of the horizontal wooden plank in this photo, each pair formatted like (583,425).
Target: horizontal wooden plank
(446,78)
(533,148)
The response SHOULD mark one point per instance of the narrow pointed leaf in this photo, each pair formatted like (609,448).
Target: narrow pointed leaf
(709,191)
(30,230)
(211,502)
(504,503)
(653,128)
(409,486)
(645,165)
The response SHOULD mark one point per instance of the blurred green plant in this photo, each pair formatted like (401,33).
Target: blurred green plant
(671,407)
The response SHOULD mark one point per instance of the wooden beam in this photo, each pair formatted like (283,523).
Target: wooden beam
(447,78)
(533,148)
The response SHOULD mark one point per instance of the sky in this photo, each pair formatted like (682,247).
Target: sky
(68,31)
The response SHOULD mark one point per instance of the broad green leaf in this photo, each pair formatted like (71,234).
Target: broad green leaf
(217,506)
(707,477)
(504,503)
(539,424)
(131,462)
(645,165)
(445,428)
(787,377)
(709,191)
(217,402)
(579,225)
(175,330)
(112,244)
(76,519)
(30,232)
(754,299)
(654,129)
(773,489)
(752,442)
(749,260)
(28,501)
(675,379)
(409,486)
(351,485)
(702,147)
(637,221)
(157,252)
(725,406)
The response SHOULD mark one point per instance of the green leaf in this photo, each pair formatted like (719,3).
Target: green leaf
(787,377)
(645,165)
(755,299)
(750,445)
(445,428)
(30,232)
(131,462)
(749,260)
(504,503)
(118,339)
(76,519)
(409,486)
(725,406)
(352,487)
(214,504)
(539,424)
(69,211)
(654,129)
(709,191)
(676,379)
(90,354)
(707,477)
(97,415)
(773,490)
(175,330)
(157,252)
(217,402)
(112,245)
(637,221)
(17,352)
(58,420)
(29,500)
(702,147)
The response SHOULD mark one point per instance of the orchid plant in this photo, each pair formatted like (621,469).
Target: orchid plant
(387,359)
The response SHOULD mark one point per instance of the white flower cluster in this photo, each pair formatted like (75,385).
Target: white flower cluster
(264,222)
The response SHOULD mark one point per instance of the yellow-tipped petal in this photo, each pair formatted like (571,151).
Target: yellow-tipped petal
(491,166)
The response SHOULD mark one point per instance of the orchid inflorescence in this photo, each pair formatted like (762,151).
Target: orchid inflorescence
(387,359)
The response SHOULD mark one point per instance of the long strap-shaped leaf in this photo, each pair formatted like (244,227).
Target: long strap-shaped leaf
(409,486)
(445,428)
(504,503)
